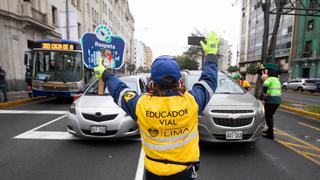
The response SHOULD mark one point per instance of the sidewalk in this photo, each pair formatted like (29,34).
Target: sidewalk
(15,95)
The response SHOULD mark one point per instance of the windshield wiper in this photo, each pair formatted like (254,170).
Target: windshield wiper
(223,93)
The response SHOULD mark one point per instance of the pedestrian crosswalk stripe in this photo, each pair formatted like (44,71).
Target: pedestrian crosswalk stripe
(31,112)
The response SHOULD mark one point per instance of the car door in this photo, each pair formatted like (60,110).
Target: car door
(290,84)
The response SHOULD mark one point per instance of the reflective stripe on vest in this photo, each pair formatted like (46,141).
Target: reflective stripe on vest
(169,146)
(206,86)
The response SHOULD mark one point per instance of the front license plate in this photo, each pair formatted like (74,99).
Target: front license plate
(234,135)
(98,129)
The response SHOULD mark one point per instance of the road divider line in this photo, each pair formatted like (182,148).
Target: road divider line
(307,125)
(297,145)
(140,168)
(31,112)
(311,154)
(297,139)
(299,152)
(34,129)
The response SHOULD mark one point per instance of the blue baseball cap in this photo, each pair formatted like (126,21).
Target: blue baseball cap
(164,66)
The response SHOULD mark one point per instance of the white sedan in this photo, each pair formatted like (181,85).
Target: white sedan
(98,116)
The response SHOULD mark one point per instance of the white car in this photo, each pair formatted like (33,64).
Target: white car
(98,116)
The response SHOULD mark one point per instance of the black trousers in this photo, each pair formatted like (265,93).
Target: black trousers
(3,90)
(187,174)
(270,109)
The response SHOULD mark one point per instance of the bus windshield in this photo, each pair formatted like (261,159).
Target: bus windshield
(62,66)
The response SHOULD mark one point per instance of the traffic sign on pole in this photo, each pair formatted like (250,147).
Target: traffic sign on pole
(102,45)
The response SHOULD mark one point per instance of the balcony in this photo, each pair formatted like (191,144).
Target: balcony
(307,54)
(38,16)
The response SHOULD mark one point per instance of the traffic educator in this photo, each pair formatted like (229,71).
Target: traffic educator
(272,94)
(168,114)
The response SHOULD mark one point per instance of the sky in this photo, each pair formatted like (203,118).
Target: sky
(164,25)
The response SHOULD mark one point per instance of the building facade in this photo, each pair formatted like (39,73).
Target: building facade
(252,27)
(139,53)
(306,60)
(148,58)
(224,51)
(23,22)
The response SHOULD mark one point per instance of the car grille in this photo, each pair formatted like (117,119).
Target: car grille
(232,122)
(231,111)
(101,118)
(108,133)
(223,137)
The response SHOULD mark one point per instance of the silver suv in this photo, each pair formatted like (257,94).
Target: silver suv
(300,85)
(232,114)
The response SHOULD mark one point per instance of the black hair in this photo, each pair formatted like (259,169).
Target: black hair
(168,82)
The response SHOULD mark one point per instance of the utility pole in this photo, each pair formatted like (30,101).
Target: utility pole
(67,19)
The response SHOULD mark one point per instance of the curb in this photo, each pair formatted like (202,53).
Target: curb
(302,112)
(304,93)
(20,102)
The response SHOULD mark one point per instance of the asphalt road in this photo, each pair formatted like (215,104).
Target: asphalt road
(295,154)
(300,98)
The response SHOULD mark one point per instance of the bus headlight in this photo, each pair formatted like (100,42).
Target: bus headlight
(74,87)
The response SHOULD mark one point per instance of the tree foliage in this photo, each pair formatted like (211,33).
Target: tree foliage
(232,69)
(185,62)
(131,68)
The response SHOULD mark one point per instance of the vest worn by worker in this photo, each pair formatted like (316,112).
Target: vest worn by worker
(274,90)
(169,131)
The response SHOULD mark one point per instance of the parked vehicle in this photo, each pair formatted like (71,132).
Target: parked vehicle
(98,116)
(232,114)
(300,85)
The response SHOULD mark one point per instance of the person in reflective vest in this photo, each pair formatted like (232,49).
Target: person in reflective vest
(245,84)
(272,94)
(168,114)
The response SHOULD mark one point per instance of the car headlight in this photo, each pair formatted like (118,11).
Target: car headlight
(72,108)
(261,109)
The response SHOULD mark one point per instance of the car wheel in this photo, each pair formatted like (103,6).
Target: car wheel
(300,89)
(312,91)
(284,88)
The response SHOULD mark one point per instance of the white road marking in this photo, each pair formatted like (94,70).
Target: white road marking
(34,129)
(31,112)
(51,135)
(140,168)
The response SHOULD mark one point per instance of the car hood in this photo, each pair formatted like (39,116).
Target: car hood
(232,100)
(97,102)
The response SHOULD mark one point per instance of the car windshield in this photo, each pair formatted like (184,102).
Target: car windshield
(57,66)
(226,85)
(93,89)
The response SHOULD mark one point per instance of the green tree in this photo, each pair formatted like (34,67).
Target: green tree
(252,70)
(131,68)
(185,62)
(141,69)
(232,69)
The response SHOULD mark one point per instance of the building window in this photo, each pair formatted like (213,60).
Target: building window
(54,15)
(289,29)
(288,45)
(310,25)
(307,49)
(79,30)
(313,4)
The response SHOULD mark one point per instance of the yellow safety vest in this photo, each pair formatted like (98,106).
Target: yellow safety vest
(169,131)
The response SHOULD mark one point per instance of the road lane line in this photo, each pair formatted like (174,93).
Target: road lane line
(311,154)
(297,151)
(297,145)
(31,112)
(307,125)
(140,168)
(297,139)
(50,135)
(45,124)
